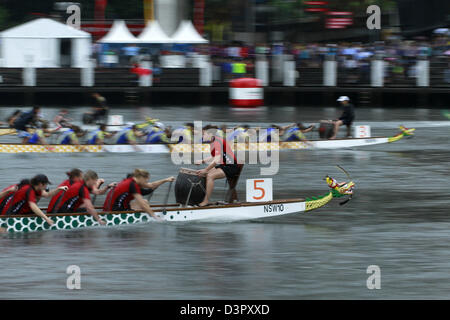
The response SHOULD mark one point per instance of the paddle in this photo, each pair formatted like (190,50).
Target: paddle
(167,198)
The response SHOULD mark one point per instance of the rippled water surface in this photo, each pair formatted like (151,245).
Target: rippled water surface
(399,220)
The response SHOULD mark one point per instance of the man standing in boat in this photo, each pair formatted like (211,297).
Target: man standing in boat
(127,194)
(23,121)
(347,117)
(99,112)
(222,163)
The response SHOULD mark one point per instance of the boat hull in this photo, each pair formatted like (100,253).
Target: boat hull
(213,214)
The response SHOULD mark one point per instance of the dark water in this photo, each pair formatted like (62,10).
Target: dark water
(399,220)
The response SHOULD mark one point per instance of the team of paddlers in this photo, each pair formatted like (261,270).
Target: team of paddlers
(73,195)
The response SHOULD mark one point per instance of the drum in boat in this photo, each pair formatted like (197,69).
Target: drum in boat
(326,129)
(189,187)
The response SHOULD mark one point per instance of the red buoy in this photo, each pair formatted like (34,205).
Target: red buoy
(246,93)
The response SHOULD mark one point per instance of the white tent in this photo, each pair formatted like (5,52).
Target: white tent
(154,34)
(44,43)
(186,33)
(119,33)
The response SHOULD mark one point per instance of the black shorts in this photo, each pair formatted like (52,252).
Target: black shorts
(230,170)
(347,121)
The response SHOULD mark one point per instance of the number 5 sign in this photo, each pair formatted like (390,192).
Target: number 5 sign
(259,190)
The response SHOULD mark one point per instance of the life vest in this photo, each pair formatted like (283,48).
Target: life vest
(293,134)
(19,203)
(157,137)
(266,135)
(56,199)
(73,198)
(219,145)
(150,132)
(38,134)
(125,136)
(121,196)
(182,132)
(68,137)
(94,135)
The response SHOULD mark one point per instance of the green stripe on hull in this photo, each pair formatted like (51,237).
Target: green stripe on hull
(31,224)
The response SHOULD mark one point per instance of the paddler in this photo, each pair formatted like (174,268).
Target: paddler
(128,135)
(184,133)
(347,117)
(39,135)
(266,135)
(98,136)
(149,122)
(295,132)
(239,134)
(157,134)
(7,193)
(77,198)
(146,189)
(61,119)
(73,175)
(127,195)
(71,136)
(222,163)
(25,198)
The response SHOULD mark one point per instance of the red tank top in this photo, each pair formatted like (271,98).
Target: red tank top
(122,195)
(19,203)
(55,198)
(220,147)
(73,198)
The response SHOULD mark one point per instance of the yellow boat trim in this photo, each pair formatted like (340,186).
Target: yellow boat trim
(18,148)
(315,204)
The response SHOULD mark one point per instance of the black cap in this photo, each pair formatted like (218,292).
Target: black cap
(41,178)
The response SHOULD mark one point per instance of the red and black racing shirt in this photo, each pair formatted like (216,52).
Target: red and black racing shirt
(219,146)
(121,195)
(19,203)
(73,198)
(56,198)
(5,199)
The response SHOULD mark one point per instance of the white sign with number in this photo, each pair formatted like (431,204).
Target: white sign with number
(361,132)
(259,190)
